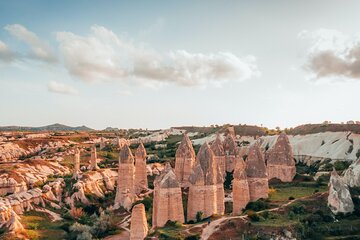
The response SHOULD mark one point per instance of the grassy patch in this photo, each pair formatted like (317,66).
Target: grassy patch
(282,192)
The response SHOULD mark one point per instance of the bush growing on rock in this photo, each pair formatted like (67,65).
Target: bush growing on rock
(199,216)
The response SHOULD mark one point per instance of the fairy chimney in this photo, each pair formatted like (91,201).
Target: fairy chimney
(230,148)
(240,186)
(93,159)
(167,202)
(184,161)
(280,160)
(76,163)
(102,143)
(125,192)
(219,153)
(141,182)
(206,191)
(256,173)
(138,224)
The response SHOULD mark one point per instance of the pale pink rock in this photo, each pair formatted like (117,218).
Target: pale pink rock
(230,148)
(240,185)
(256,174)
(184,161)
(219,154)
(280,160)
(77,171)
(167,202)
(93,159)
(139,227)
(125,191)
(339,199)
(206,191)
(140,181)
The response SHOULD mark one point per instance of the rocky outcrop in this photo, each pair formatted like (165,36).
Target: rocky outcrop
(10,221)
(219,153)
(125,192)
(77,171)
(339,199)
(21,176)
(167,202)
(352,174)
(102,143)
(240,186)
(138,227)
(206,191)
(280,160)
(230,148)
(140,181)
(256,173)
(93,160)
(184,161)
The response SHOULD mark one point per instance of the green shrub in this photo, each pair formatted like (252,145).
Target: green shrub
(258,205)
(199,216)
(253,216)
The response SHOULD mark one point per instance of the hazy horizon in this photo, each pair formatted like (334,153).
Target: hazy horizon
(133,64)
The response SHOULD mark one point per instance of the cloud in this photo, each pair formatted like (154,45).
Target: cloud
(40,50)
(6,55)
(332,54)
(61,88)
(104,56)
(158,25)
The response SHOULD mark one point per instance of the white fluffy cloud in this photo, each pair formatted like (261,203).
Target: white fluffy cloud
(61,88)
(6,55)
(40,50)
(333,54)
(103,56)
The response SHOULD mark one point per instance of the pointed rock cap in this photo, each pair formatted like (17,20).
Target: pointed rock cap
(185,148)
(231,131)
(167,178)
(77,150)
(240,169)
(281,153)
(140,152)
(230,145)
(197,176)
(217,146)
(211,171)
(255,164)
(125,155)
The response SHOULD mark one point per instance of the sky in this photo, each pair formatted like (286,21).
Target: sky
(157,64)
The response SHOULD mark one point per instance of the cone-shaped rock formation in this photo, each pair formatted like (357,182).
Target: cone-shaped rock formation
(240,185)
(184,161)
(141,182)
(139,228)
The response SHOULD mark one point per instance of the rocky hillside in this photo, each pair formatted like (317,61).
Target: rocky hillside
(53,127)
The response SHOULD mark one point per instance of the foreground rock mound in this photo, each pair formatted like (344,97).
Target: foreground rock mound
(167,202)
(256,173)
(139,227)
(339,199)
(206,192)
(184,161)
(240,185)
(280,160)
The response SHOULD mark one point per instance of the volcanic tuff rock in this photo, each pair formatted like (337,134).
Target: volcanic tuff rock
(139,227)
(125,192)
(219,153)
(240,185)
(352,174)
(184,160)
(140,180)
(339,199)
(206,192)
(230,148)
(256,173)
(21,176)
(93,160)
(280,160)
(76,163)
(167,202)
